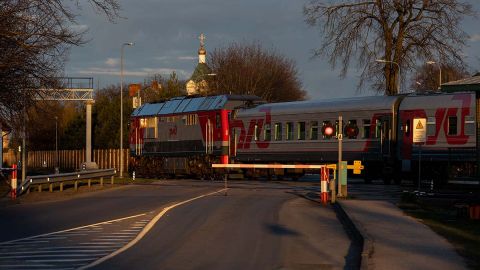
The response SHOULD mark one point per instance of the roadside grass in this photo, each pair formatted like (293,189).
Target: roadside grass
(451,223)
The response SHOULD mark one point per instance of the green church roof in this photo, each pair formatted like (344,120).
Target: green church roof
(200,72)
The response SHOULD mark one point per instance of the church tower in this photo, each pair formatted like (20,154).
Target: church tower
(197,83)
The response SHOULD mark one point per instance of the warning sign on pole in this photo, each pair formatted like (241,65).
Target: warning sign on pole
(419,130)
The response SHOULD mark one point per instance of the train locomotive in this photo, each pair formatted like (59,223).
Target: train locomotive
(186,135)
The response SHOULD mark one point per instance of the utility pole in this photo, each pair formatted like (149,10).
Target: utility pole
(339,165)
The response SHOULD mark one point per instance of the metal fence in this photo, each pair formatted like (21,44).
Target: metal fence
(69,159)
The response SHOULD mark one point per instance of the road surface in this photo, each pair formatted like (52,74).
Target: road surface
(176,225)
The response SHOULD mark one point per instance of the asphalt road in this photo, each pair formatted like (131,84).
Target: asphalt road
(258,225)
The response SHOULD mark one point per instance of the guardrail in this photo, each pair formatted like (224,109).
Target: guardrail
(60,179)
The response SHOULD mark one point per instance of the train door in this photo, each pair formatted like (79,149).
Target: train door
(383,131)
(406,137)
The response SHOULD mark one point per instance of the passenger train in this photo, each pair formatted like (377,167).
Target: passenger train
(185,135)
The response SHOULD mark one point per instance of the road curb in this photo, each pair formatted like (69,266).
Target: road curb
(360,233)
(353,228)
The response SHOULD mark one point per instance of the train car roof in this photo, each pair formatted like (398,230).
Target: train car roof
(425,102)
(326,105)
(187,104)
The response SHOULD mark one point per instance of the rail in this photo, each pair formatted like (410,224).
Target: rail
(76,177)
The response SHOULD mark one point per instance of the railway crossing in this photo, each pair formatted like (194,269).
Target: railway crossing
(357,167)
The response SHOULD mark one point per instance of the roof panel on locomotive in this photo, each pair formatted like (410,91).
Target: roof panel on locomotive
(181,105)
(148,109)
(170,106)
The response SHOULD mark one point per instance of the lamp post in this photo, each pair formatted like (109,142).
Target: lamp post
(56,146)
(398,66)
(121,105)
(439,71)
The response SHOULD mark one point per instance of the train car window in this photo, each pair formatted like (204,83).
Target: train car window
(151,129)
(328,130)
(143,122)
(267,134)
(378,128)
(452,125)
(301,131)
(431,126)
(366,129)
(407,128)
(289,131)
(469,125)
(278,131)
(256,133)
(351,129)
(314,130)
(218,120)
(337,128)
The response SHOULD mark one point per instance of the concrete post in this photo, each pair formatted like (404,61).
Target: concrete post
(61,186)
(101,181)
(89,182)
(111,181)
(50,187)
(76,185)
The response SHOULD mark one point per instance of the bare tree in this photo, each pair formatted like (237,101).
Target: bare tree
(250,69)
(427,77)
(35,36)
(403,32)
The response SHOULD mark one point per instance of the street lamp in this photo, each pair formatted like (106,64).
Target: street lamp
(121,105)
(439,71)
(57,170)
(395,63)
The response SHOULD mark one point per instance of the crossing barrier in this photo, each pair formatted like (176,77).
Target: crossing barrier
(357,167)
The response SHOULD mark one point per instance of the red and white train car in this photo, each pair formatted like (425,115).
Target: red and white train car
(451,147)
(376,130)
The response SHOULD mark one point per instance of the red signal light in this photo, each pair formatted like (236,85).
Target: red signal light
(328,131)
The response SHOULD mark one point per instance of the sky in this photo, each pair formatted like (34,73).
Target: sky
(165,33)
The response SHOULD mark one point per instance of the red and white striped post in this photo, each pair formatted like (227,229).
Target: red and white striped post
(323,185)
(13,192)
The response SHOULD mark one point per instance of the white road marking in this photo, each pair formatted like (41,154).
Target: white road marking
(6,266)
(147,228)
(62,260)
(62,251)
(73,229)
(47,256)
(102,243)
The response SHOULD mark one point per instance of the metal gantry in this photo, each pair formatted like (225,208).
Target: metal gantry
(71,89)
